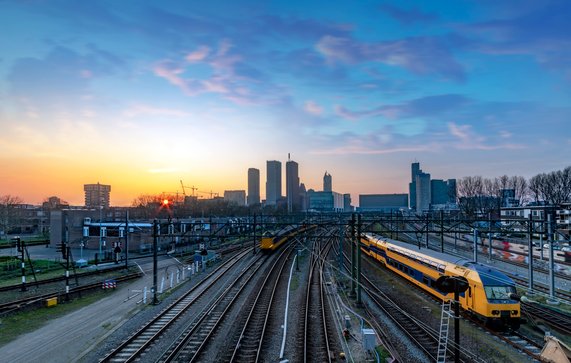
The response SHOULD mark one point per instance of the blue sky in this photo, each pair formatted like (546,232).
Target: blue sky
(142,94)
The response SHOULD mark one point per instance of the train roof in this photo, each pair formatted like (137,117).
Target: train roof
(488,275)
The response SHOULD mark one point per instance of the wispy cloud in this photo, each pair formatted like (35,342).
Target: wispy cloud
(407,17)
(430,106)
(467,139)
(148,110)
(313,108)
(420,55)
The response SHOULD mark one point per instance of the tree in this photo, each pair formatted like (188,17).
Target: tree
(553,188)
(9,212)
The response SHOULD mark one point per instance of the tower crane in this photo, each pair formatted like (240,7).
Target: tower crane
(183,190)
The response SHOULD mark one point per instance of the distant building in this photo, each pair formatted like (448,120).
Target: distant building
(414,171)
(423,195)
(97,195)
(347,207)
(237,197)
(327,184)
(325,201)
(442,192)
(253,186)
(273,182)
(382,202)
(508,198)
(292,186)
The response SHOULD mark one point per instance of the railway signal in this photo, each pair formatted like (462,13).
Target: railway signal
(62,247)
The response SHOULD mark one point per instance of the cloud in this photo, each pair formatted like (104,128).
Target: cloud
(147,110)
(198,55)
(419,55)
(59,81)
(541,32)
(467,139)
(430,106)
(230,76)
(408,17)
(313,108)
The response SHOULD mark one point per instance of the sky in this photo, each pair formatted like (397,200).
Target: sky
(142,94)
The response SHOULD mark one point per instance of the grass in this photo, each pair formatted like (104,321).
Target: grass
(14,325)
(382,352)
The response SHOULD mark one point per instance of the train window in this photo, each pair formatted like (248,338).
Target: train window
(424,280)
(499,292)
(470,291)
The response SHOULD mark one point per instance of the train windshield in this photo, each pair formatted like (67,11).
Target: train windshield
(499,292)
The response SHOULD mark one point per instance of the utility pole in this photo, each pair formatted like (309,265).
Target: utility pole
(530,252)
(254,244)
(358,242)
(353,277)
(127,239)
(442,231)
(156,232)
(20,246)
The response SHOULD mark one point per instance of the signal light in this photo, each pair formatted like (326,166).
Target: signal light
(62,247)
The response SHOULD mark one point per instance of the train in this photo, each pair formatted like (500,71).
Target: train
(271,242)
(491,295)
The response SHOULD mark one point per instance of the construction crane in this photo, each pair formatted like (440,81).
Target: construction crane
(184,192)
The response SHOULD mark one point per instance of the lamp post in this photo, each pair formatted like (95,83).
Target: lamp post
(100,229)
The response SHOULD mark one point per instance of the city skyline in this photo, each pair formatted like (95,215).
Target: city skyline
(140,96)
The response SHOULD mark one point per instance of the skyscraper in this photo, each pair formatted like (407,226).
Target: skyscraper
(327,186)
(97,195)
(292,185)
(423,196)
(415,170)
(253,186)
(273,181)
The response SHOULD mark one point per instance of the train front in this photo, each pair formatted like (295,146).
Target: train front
(499,304)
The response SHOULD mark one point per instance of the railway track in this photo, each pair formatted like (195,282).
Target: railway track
(317,335)
(141,340)
(523,282)
(40,299)
(558,320)
(58,279)
(250,344)
(195,338)
(513,338)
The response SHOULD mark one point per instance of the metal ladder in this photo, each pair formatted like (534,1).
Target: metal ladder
(443,336)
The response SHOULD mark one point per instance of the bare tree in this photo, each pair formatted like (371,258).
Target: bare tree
(9,211)
(519,185)
(553,188)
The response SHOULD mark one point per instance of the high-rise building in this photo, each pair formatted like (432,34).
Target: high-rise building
(273,181)
(347,207)
(442,192)
(97,195)
(327,185)
(253,186)
(292,186)
(423,196)
(237,197)
(415,170)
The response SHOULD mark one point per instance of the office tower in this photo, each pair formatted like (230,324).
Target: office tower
(236,197)
(415,170)
(423,196)
(327,185)
(97,195)
(273,181)
(292,185)
(253,186)
(443,192)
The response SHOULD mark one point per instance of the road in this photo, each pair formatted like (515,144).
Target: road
(68,338)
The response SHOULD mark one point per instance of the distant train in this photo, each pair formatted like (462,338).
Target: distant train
(490,295)
(272,242)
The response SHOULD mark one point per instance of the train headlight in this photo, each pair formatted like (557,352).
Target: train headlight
(495,312)
(514,312)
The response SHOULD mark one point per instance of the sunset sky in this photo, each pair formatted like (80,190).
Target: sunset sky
(140,94)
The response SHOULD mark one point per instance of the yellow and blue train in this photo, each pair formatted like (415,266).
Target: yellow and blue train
(271,242)
(491,295)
